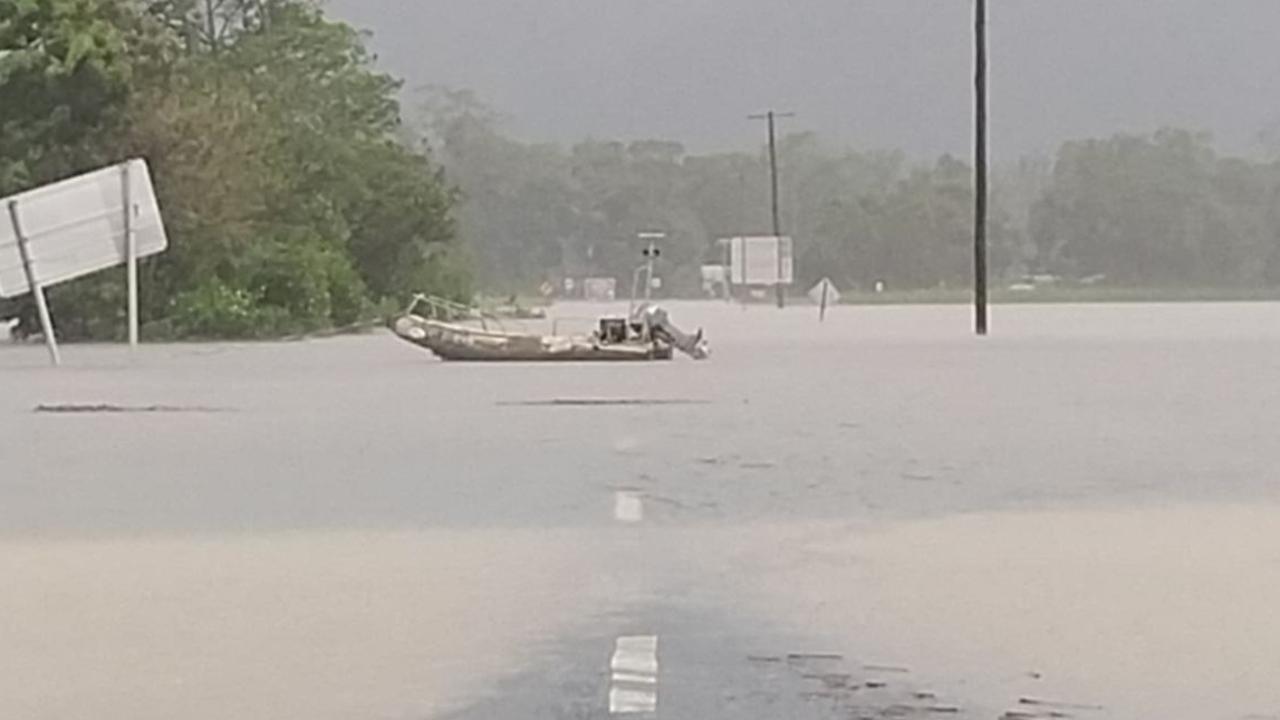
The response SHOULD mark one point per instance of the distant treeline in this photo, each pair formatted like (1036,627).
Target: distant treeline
(297,199)
(292,199)
(1159,210)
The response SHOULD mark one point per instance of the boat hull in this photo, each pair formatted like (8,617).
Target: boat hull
(453,342)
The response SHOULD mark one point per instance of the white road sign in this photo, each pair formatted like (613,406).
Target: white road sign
(77,226)
(824,293)
(755,260)
(61,231)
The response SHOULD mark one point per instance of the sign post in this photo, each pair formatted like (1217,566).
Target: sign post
(824,294)
(131,254)
(37,290)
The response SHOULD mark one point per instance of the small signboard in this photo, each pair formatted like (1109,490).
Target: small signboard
(600,289)
(715,280)
(760,260)
(824,293)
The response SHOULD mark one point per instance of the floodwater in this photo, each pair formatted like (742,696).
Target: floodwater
(1082,506)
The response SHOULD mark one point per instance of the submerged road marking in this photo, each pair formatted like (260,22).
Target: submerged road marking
(634,662)
(635,654)
(623,701)
(627,507)
(633,678)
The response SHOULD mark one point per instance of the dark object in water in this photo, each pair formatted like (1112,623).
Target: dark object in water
(1057,704)
(108,408)
(599,402)
(814,656)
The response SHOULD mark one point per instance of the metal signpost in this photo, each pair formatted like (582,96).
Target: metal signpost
(33,284)
(130,254)
(77,226)
(824,294)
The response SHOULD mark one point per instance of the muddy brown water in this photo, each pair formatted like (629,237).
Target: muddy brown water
(1080,505)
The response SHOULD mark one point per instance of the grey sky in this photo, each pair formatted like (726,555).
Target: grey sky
(870,73)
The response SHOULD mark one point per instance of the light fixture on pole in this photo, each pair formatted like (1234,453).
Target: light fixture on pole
(651,253)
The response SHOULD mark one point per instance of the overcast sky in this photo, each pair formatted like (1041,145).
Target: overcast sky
(869,73)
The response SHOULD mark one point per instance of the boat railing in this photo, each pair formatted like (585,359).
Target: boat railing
(445,310)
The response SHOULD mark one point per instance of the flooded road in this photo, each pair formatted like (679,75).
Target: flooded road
(1081,507)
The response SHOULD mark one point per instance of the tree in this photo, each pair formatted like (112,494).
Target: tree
(65,73)
(292,201)
(533,212)
(1161,209)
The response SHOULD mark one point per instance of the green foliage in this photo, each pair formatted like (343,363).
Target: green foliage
(64,73)
(291,201)
(293,287)
(532,213)
(1137,211)
(1159,210)
(212,309)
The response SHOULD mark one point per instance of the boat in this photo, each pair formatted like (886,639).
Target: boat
(452,331)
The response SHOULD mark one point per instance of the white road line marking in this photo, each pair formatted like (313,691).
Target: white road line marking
(620,677)
(632,701)
(634,661)
(635,654)
(628,507)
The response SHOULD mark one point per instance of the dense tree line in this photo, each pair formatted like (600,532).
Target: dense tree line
(292,197)
(1160,210)
(1135,211)
(538,212)
(296,198)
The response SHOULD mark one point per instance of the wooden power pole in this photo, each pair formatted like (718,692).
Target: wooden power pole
(770,117)
(980,168)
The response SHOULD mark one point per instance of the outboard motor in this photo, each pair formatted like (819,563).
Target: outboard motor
(661,327)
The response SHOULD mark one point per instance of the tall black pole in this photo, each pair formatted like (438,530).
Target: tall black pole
(777,221)
(771,117)
(980,167)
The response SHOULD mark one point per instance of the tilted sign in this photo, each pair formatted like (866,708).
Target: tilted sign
(762,260)
(824,293)
(77,226)
(74,227)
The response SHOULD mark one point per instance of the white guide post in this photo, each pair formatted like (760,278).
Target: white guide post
(131,254)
